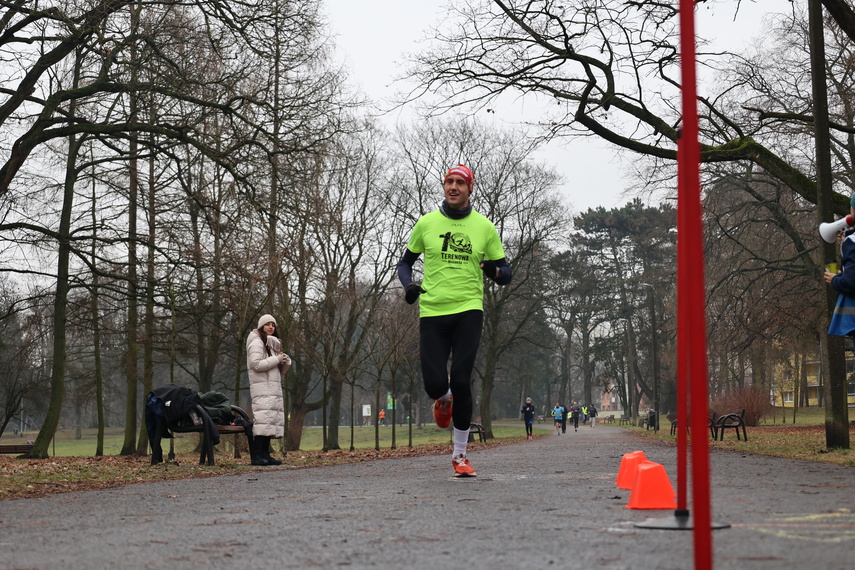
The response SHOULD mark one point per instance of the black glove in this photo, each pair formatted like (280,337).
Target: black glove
(489,268)
(412,293)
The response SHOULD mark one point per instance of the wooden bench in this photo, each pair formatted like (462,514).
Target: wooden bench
(206,451)
(477,429)
(711,424)
(648,422)
(731,421)
(16,448)
(625,420)
(609,419)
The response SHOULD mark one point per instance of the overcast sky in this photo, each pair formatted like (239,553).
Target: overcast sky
(373,37)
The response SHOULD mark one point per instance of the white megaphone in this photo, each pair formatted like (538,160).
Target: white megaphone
(829,230)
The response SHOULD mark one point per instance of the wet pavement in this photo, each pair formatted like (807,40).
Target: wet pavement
(547,503)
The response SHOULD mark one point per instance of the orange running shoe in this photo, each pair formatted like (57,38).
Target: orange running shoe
(442,411)
(462,468)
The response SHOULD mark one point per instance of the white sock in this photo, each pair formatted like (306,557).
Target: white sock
(461,438)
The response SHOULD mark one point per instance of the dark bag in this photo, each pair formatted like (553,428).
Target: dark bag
(174,402)
(218,407)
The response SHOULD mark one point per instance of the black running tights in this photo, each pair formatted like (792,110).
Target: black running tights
(456,336)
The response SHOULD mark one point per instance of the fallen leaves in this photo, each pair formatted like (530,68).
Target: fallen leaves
(33,478)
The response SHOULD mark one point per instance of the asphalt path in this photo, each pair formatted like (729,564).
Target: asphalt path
(548,503)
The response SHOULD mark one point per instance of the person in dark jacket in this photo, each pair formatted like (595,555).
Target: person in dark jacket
(592,413)
(575,412)
(528,418)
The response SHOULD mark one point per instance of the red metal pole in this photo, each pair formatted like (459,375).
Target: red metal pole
(682,339)
(696,298)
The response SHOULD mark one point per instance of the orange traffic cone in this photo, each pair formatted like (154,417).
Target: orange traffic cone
(652,488)
(628,465)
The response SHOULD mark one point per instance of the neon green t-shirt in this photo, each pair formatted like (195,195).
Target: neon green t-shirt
(453,251)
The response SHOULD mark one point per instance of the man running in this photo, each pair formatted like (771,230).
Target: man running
(558,417)
(575,411)
(458,244)
(528,418)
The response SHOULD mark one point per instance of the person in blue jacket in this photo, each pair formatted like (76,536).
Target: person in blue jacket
(843,319)
(557,414)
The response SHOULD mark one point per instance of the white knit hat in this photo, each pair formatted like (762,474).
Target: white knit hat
(266,319)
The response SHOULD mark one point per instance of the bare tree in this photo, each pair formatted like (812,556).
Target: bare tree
(608,69)
(843,15)
(17,379)
(577,307)
(150,84)
(350,240)
(637,244)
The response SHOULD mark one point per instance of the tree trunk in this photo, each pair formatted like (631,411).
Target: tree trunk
(60,306)
(239,362)
(565,386)
(740,372)
(632,391)
(410,412)
(836,410)
(295,428)
(758,365)
(150,283)
(335,392)
(99,372)
(297,389)
(803,382)
(200,304)
(394,408)
(57,379)
(376,415)
(60,314)
(129,444)
(587,365)
(352,416)
(96,336)
(487,385)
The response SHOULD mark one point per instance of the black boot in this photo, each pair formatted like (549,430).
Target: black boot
(266,453)
(256,452)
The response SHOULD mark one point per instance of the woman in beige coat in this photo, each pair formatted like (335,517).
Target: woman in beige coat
(265,364)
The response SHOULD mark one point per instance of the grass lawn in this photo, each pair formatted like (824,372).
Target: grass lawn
(804,416)
(778,436)
(73,467)
(66,445)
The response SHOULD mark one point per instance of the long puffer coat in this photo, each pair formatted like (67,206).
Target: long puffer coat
(265,387)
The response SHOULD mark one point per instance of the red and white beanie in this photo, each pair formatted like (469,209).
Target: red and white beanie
(462,171)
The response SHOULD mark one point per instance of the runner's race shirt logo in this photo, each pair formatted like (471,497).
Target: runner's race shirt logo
(456,248)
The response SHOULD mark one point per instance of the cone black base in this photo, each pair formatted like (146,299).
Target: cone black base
(680,521)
